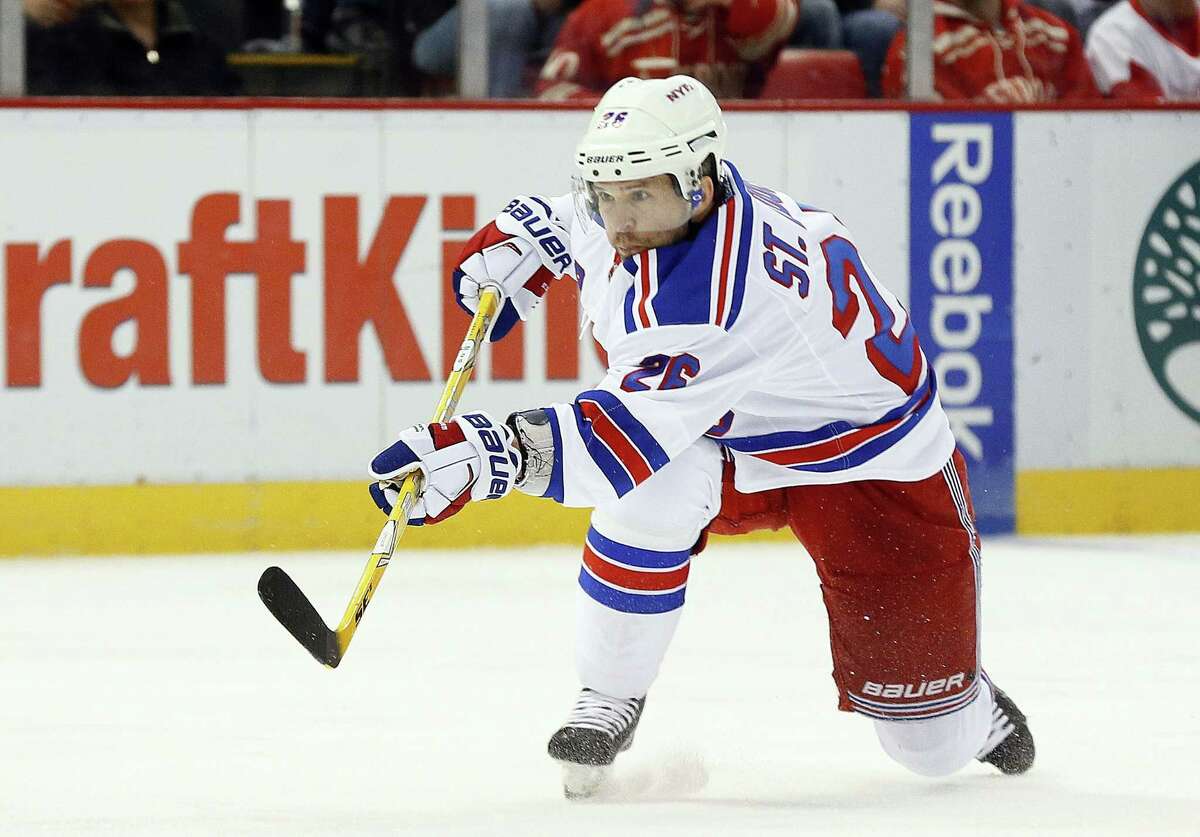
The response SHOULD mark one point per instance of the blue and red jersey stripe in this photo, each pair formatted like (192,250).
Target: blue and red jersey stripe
(625,451)
(735,286)
(838,445)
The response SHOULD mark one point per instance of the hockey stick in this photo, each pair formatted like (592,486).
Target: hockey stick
(281,595)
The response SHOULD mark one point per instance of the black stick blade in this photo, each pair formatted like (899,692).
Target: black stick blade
(296,613)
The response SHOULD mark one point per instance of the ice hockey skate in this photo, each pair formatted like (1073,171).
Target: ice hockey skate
(1010,745)
(599,727)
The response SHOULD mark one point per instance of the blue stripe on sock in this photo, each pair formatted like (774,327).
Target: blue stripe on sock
(649,559)
(629,602)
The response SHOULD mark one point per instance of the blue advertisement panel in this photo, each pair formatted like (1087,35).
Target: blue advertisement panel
(961,266)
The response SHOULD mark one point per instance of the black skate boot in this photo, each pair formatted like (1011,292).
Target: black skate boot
(598,728)
(1010,746)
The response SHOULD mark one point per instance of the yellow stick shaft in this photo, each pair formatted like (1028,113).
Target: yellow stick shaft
(411,487)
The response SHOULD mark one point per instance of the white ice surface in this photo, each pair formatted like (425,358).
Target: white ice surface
(152,696)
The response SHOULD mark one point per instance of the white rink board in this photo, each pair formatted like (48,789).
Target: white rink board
(1085,397)
(1084,185)
(164,700)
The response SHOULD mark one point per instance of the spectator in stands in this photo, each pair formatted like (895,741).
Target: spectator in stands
(727,44)
(263,28)
(1064,10)
(120,48)
(998,51)
(1147,49)
(379,32)
(51,12)
(819,26)
(345,26)
(518,30)
(869,26)
(1088,11)
(867,30)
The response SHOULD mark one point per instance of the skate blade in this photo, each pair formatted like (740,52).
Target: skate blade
(582,781)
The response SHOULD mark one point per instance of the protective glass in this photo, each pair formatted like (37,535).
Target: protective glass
(635,207)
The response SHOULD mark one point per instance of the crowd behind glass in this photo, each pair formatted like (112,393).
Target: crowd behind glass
(984,50)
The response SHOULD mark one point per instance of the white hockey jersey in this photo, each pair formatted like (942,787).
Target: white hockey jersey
(1124,41)
(765,331)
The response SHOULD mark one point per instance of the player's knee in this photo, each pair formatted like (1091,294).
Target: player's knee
(669,510)
(938,746)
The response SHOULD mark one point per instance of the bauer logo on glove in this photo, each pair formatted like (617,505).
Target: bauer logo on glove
(471,457)
(521,252)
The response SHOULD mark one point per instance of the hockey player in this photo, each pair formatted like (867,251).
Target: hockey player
(758,376)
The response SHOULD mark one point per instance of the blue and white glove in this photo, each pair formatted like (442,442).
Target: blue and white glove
(521,253)
(471,457)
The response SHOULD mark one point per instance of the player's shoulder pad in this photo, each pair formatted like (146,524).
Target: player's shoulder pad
(770,201)
(820,224)
(779,211)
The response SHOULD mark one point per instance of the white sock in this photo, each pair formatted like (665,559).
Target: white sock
(940,746)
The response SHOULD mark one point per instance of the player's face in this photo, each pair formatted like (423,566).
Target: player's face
(642,214)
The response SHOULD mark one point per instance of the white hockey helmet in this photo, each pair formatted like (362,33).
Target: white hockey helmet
(647,127)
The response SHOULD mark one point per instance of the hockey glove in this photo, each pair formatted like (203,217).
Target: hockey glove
(471,457)
(521,253)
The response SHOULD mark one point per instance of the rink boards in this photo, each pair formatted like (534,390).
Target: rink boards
(213,318)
